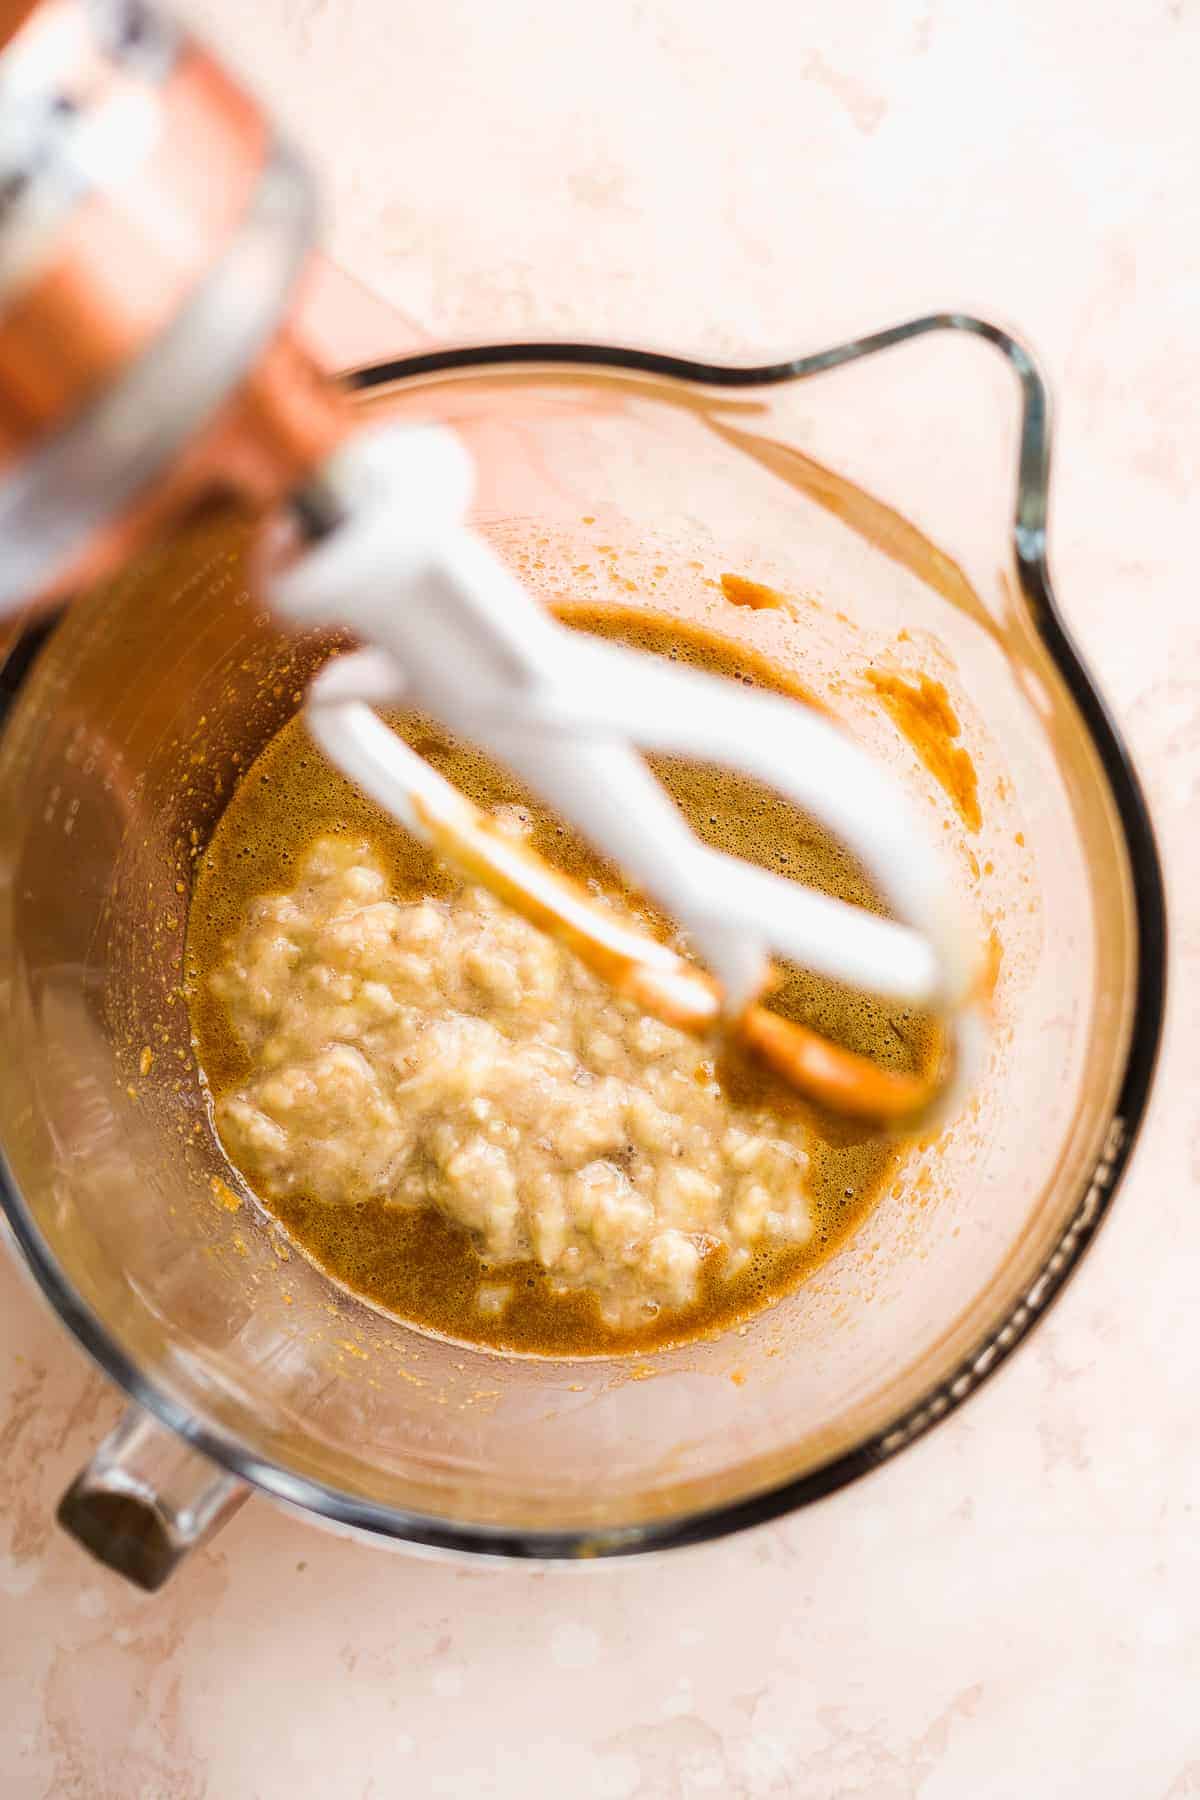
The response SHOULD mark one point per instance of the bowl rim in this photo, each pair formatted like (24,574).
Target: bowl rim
(1097,1187)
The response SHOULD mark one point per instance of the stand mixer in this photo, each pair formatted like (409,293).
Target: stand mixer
(152,235)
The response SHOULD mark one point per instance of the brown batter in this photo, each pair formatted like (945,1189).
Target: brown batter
(921,710)
(417,1264)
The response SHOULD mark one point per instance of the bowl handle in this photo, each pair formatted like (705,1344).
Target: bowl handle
(146,1499)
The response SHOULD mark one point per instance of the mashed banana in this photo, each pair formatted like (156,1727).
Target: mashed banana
(442,1052)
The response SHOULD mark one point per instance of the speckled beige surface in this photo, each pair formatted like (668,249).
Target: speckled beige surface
(1012,1607)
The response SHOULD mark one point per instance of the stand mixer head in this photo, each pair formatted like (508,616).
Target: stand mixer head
(151,235)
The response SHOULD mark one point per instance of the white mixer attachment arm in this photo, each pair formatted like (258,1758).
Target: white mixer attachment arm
(454,633)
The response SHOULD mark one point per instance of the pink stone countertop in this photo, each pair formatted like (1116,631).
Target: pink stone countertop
(1013,1607)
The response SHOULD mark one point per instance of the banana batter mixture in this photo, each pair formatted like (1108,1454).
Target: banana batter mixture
(456,1119)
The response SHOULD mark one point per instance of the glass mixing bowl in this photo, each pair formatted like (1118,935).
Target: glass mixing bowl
(880,498)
